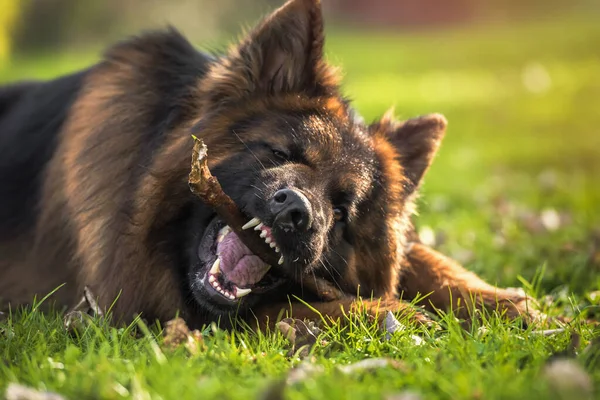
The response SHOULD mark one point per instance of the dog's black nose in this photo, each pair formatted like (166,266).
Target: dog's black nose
(292,210)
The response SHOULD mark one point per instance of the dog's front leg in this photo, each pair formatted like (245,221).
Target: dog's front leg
(448,285)
(338,311)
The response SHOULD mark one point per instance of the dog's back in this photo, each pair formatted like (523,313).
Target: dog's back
(10,95)
(37,245)
(31,114)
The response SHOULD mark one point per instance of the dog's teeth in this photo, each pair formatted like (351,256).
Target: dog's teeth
(231,297)
(273,245)
(214,270)
(253,222)
(277,249)
(268,240)
(223,232)
(258,227)
(211,278)
(263,234)
(280,260)
(241,292)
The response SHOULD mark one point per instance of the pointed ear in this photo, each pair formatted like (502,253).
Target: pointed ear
(284,53)
(416,140)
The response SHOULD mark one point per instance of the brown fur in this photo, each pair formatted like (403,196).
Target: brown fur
(105,212)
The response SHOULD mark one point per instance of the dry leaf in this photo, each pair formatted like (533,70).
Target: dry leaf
(303,371)
(372,364)
(301,335)
(568,379)
(406,395)
(548,332)
(18,392)
(80,315)
(550,218)
(391,325)
(177,333)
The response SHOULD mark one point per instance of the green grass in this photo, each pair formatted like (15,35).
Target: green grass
(510,154)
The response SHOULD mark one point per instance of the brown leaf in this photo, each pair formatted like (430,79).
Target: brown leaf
(548,332)
(18,392)
(80,315)
(568,379)
(406,395)
(373,364)
(301,335)
(303,371)
(177,333)
(391,325)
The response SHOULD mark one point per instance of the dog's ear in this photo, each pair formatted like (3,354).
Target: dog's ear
(416,141)
(283,54)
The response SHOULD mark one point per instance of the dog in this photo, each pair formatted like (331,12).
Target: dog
(94,193)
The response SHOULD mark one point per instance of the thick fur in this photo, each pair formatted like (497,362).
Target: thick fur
(94,169)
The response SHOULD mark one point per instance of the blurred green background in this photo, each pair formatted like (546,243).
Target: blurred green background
(515,190)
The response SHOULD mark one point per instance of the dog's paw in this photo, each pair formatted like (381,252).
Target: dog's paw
(380,309)
(527,309)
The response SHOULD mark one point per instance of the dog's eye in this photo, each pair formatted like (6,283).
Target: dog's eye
(339,214)
(280,154)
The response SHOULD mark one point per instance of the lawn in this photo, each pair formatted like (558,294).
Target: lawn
(514,195)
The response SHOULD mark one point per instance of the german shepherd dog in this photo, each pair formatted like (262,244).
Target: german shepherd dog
(94,192)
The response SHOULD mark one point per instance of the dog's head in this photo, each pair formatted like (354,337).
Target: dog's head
(330,194)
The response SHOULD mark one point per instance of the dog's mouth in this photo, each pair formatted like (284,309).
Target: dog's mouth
(233,271)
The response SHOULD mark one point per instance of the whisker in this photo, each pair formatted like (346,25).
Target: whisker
(330,274)
(340,256)
(249,149)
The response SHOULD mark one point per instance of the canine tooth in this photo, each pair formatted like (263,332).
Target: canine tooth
(263,234)
(253,222)
(272,244)
(258,227)
(215,267)
(239,292)
(211,278)
(268,240)
(280,260)
(277,249)
(225,230)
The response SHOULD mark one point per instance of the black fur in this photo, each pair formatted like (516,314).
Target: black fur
(31,115)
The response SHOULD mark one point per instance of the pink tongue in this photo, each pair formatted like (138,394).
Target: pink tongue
(238,264)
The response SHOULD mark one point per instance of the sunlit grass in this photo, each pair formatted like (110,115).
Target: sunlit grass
(522,152)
